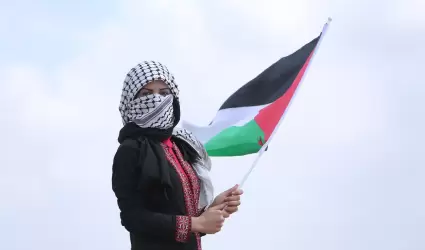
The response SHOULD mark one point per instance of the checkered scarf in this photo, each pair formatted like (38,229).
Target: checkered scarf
(150,111)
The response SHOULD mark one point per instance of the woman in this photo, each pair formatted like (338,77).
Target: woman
(160,173)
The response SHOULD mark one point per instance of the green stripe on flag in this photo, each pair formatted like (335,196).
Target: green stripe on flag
(236,140)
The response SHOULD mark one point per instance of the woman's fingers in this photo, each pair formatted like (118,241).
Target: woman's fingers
(236,195)
(232,206)
(226,214)
(232,198)
(231,210)
(237,192)
(233,203)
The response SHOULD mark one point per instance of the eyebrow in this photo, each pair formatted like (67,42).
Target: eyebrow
(159,89)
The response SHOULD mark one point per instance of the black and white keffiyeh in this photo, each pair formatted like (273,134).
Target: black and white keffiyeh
(156,111)
(150,111)
(202,167)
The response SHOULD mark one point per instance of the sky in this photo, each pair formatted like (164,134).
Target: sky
(345,170)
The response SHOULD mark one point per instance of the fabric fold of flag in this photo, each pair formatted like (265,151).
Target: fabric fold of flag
(248,117)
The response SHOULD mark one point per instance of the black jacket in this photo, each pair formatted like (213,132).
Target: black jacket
(150,198)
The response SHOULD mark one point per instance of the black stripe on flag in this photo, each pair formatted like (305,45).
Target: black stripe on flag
(273,82)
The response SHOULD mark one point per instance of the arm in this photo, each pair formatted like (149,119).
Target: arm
(134,216)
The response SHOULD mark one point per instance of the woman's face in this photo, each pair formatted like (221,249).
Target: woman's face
(155,87)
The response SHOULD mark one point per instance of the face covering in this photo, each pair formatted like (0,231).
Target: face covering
(152,111)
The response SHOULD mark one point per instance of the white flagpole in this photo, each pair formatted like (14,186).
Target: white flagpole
(263,148)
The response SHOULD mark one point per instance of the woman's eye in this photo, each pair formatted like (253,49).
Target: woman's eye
(144,93)
(165,93)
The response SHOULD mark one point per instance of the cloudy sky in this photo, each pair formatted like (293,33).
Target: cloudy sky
(345,171)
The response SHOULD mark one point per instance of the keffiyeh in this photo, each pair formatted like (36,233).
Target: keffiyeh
(150,111)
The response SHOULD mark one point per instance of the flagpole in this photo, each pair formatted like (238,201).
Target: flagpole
(264,147)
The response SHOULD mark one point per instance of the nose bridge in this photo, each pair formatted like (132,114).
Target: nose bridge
(156,90)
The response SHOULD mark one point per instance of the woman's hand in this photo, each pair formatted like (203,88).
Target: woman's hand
(231,197)
(211,221)
(233,201)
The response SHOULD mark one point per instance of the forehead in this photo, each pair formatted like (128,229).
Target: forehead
(157,84)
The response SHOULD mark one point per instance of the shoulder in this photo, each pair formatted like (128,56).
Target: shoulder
(129,144)
(127,149)
(190,139)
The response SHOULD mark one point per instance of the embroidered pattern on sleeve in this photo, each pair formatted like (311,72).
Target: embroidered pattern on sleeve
(184,224)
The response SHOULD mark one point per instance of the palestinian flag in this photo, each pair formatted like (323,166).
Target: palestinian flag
(247,118)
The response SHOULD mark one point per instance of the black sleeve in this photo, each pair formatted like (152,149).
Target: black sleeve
(134,216)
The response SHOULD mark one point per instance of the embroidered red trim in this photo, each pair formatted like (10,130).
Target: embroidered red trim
(194,181)
(184,224)
(191,190)
(193,177)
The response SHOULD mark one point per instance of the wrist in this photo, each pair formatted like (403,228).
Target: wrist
(214,203)
(196,224)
